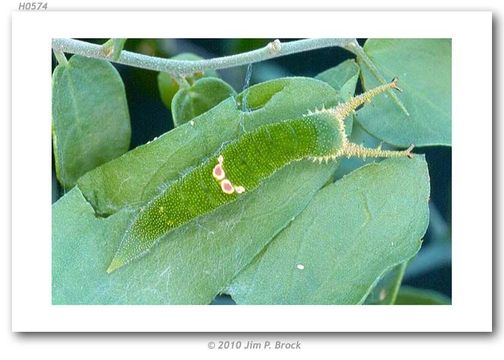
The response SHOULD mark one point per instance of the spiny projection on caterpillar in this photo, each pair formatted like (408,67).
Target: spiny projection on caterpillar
(241,166)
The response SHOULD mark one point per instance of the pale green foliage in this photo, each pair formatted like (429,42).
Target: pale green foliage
(90,118)
(197,99)
(300,238)
(353,231)
(424,71)
(168,85)
(343,78)
(192,264)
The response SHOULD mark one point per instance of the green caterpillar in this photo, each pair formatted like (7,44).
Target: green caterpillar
(241,166)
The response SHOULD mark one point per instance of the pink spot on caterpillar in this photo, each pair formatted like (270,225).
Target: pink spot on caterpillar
(239,189)
(218,172)
(227,187)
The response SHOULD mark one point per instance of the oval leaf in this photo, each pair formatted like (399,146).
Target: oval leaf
(203,95)
(423,67)
(90,118)
(352,232)
(167,84)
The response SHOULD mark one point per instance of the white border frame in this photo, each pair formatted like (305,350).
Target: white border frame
(471,34)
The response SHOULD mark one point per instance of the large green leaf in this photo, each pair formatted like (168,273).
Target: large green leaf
(423,67)
(197,261)
(90,119)
(200,97)
(412,296)
(138,175)
(192,264)
(352,232)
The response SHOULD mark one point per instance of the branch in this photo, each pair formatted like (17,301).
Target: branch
(60,57)
(186,67)
(182,68)
(357,50)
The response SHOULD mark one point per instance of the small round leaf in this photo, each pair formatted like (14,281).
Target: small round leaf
(167,84)
(203,95)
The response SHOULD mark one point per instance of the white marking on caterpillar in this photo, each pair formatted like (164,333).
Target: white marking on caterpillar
(300,266)
(239,189)
(321,159)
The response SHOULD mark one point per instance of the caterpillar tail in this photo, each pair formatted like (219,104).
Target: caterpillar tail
(115,264)
(349,149)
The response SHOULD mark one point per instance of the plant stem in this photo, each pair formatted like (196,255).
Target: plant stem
(60,57)
(113,47)
(186,67)
(183,68)
(355,48)
(399,275)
